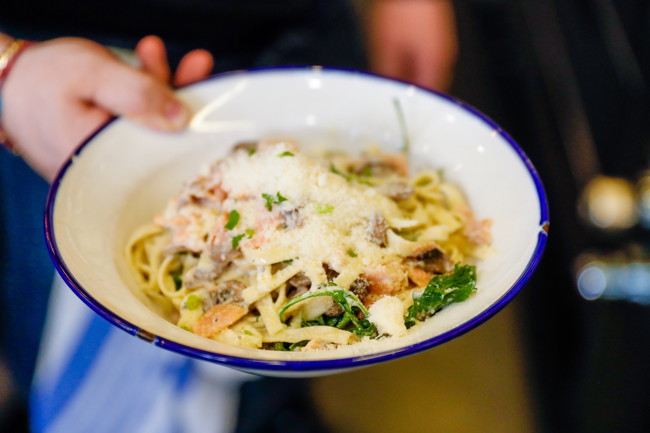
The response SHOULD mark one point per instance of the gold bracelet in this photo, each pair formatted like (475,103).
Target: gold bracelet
(7,58)
(8,54)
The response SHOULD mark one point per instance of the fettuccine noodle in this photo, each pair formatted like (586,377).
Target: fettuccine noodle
(273,248)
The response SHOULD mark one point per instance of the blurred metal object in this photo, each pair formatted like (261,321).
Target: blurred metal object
(622,270)
(643,199)
(614,280)
(610,203)
(613,203)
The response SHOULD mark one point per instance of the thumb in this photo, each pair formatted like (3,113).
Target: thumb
(139,96)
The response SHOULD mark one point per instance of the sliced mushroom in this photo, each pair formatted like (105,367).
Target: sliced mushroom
(377,228)
(291,219)
(298,284)
(433,260)
(228,292)
(359,287)
(397,189)
(247,146)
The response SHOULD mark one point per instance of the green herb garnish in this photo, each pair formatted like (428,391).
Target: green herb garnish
(235,241)
(284,346)
(324,208)
(349,303)
(366,171)
(193,302)
(178,280)
(350,177)
(298,345)
(248,233)
(323,321)
(335,170)
(285,153)
(352,254)
(281,346)
(441,291)
(233,219)
(273,199)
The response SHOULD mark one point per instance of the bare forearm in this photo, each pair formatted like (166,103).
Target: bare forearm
(5,40)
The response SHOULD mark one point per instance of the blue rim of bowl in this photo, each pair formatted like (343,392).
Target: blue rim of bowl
(306,366)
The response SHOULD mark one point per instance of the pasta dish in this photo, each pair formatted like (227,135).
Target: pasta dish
(274,248)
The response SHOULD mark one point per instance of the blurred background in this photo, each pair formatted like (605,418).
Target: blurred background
(568,80)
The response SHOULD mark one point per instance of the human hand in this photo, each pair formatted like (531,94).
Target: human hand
(61,91)
(413,40)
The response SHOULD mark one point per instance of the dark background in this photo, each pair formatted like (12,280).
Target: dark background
(548,71)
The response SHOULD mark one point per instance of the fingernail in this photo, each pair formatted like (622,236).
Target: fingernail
(176,114)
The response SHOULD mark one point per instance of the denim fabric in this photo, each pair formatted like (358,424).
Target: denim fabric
(25,267)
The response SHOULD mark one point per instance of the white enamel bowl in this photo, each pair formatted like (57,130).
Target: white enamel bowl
(125,174)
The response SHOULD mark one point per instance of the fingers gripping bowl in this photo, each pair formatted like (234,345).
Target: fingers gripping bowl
(124,175)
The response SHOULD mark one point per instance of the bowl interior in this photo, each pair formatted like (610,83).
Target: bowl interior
(125,175)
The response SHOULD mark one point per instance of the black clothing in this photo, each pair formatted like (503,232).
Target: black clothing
(552,73)
(240,33)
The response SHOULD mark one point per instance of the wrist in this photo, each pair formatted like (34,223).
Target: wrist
(10,49)
(5,40)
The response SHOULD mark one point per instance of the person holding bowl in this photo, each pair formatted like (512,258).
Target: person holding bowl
(58,91)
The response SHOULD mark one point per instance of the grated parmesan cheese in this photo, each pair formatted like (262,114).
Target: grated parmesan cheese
(387,314)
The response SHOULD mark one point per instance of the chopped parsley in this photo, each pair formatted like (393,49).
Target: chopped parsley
(351,177)
(273,199)
(285,153)
(233,219)
(352,254)
(193,302)
(236,239)
(335,170)
(324,208)
(248,233)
